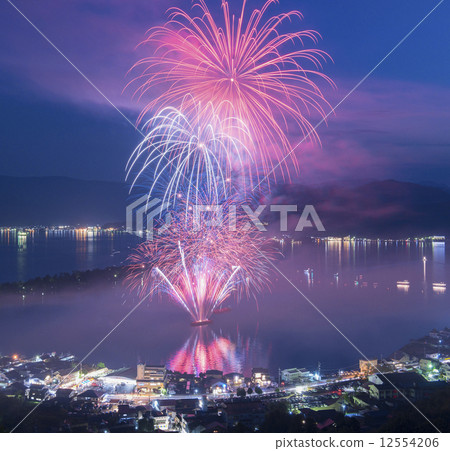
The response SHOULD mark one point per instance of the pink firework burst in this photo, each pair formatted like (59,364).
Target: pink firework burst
(199,267)
(248,68)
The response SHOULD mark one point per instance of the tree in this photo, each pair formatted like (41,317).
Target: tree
(101,365)
(258,390)
(249,391)
(241,392)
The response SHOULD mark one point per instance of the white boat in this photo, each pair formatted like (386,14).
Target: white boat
(439,287)
(403,283)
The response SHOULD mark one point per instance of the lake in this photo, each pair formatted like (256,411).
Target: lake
(36,253)
(354,284)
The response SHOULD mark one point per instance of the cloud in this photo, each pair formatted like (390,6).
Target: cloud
(100,38)
(387,128)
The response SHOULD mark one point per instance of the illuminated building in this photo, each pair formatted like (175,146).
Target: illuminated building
(292,375)
(87,396)
(368,366)
(445,370)
(412,385)
(150,378)
(36,393)
(234,379)
(428,365)
(261,377)
(160,420)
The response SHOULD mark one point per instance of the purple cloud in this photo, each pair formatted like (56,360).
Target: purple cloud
(386,128)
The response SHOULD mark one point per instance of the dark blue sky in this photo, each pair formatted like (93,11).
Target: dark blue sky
(396,125)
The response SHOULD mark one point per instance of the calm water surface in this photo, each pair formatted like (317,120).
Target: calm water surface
(353,284)
(38,253)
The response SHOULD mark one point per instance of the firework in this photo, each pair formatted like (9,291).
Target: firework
(190,155)
(205,350)
(200,266)
(248,68)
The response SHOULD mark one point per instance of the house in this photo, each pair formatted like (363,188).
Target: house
(195,425)
(87,396)
(126,412)
(178,406)
(368,366)
(150,378)
(234,379)
(37,393)
(186,406)
(181,421)
(394,386)
(362,400)
(64,393)
(4,381)
(445,370)
(65,375)
(210,420)
(215,385)
(261,377)
(429,364)
(63,397)
(333,402)
(161,419)
(295,375)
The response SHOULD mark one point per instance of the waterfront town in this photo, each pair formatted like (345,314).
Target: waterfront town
(66,395)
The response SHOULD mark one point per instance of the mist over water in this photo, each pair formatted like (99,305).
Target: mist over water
(353,284)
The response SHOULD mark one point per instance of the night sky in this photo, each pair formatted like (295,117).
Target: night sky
(396,125)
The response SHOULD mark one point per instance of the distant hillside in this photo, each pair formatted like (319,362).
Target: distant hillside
(376,208)
(388,208)
(60,200)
